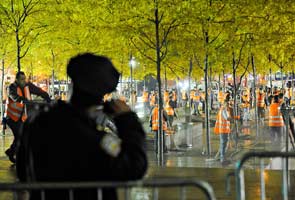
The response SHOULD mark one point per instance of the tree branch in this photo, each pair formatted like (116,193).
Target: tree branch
(198,61)
(241,50)
(142,52)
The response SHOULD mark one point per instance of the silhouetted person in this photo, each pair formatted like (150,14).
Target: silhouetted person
(70,143)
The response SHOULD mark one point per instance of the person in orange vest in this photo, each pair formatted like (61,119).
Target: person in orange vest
(153,99)
(154,124)
(222,128)
(203,100)
(107,97)
(191,96)
(261,105)
(246,106)
(166,96)
(220,98)
(174,98)
(170,110)
(145,100)
(184,98)
(196,102)
(276,121)
(19,93)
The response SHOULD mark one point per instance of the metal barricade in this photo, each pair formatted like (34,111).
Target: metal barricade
(239,173)
(155,184)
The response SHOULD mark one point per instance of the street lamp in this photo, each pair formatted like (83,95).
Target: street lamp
(132,65)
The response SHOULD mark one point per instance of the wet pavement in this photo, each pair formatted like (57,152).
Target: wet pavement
(187,157)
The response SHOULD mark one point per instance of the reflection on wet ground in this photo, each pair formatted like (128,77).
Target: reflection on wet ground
(187,158)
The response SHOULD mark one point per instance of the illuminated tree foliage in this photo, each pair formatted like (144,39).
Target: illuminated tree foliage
(39,36)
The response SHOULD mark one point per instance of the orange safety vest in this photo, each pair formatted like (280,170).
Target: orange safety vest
(145,97)
(196,97)
(155,120)
(153,100)
(260,100)
(17,110)
(220,97)
(169,109)
(246,100)
(166,96)
(183,95)
(275,116)
(107,97)
(192,94)
(174,96)
(222,126)
(289,90)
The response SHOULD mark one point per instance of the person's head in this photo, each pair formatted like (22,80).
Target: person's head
(93,76)
(281,96)
(20,78)
(276,99)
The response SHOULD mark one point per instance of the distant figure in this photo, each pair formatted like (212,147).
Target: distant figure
(170,110)
(261,105)
(276,122)
(222,128)
(19,94)
(146,104)
(154,124)
(70,142)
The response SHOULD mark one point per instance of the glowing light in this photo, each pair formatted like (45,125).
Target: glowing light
(132,62)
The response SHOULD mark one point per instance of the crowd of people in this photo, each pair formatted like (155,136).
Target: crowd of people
(97,118)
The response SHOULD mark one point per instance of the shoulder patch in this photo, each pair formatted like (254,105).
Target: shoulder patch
(111,145)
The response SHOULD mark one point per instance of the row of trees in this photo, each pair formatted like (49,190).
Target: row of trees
(218,36)
(170,38)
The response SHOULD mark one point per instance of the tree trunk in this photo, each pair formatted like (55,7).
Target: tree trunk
(235,108)
(165,77)
(2,94)
(131,84)
(188,115)
(254,95)
(52,76)
(207,118)
(270,80)
(18,50)
(281,67)
(223,75)
(160,102)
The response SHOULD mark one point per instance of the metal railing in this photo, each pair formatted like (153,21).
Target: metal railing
(155,184)
(239,173)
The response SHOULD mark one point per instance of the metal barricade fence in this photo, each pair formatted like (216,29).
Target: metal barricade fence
(155,184)
(239,173)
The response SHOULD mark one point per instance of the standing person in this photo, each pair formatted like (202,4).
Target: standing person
(246,106)
(154,124)
(146,104)
(276,122)
(220,97)
(74,146)
(222,128)
(170,110)
(19,93)
(196,102)
(184,98)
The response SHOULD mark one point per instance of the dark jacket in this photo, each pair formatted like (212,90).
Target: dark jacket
(66,146)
